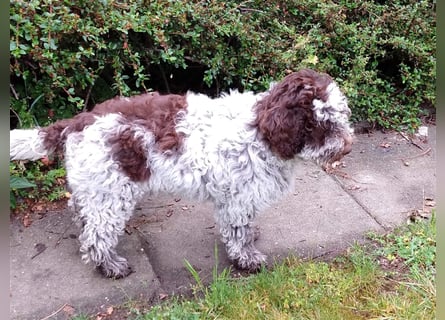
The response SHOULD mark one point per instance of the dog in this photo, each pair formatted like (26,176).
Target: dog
(238,151)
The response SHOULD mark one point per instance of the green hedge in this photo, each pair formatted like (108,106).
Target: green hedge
(68,55)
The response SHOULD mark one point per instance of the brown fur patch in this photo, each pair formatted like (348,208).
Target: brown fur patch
(284,116)
(153,111)
(156,112)
(129,152)
(55,134)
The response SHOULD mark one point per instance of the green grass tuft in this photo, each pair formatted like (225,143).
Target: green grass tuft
(362,284)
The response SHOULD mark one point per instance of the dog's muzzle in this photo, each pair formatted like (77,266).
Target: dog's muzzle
(346,149)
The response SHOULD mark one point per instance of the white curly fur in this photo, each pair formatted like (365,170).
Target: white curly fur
(221,159)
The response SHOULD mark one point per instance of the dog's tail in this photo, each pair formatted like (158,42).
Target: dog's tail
(33,144)
(27,144)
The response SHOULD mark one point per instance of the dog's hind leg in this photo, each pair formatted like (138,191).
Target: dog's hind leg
(102,195)
(103,216)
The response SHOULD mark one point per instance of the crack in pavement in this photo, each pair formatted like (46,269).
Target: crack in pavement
(360,203)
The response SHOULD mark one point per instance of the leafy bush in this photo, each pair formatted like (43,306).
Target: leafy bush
(68,55)
(36,181)
(16,183)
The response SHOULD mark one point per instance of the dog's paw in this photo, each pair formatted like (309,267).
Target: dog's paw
(115,271)
(251,261)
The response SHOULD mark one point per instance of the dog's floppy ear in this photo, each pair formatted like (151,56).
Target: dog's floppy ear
(284,115)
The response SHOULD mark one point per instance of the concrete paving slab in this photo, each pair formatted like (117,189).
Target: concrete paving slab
(42,283)
(391,176)
(316,220)
(183,230)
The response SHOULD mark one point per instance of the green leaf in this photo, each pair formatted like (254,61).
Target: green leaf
(20,183)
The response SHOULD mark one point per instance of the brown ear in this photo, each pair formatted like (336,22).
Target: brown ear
(285,114)
(283,129)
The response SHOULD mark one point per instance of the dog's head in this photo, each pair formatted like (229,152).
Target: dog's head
(306,115)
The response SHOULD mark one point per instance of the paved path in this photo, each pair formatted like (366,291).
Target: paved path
(387,177)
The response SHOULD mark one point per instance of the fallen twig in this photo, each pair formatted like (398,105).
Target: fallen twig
(39,252)
(54,313)
(342,174)
(160,207)
(63,234)
(417,155)
(411,141)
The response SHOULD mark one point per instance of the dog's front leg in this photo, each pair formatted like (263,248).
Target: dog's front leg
(239,242)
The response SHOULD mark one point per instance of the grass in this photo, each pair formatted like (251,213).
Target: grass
(392,277)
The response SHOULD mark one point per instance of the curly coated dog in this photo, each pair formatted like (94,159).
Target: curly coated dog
(237,151)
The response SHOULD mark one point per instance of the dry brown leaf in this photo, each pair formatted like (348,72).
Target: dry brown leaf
(110,310)
(38,207)
(68,309)
(46,161)
(163,296)
(429,202)
(415,215)
(26,221)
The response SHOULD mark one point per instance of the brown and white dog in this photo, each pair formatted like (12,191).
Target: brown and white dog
(238,151)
